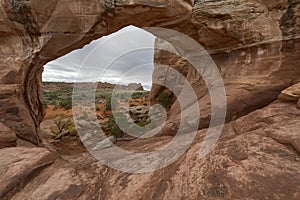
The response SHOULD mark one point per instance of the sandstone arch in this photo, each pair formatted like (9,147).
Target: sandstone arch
(33,33)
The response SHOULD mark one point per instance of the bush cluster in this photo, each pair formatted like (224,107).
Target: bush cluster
(113,126)
(164,100)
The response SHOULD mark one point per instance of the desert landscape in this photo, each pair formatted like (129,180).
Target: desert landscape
(58,124)
(239,58)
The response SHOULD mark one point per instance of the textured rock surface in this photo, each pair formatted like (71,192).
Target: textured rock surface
(18,165)
(233,24)
(78,179)
(255,45)
(7,137)
(257,157)
(33,33)
(291,94)
(248,40)
(248,163)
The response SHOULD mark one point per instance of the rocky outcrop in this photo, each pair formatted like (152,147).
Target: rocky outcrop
(248,162)
(140,114)
(19,165)
(64,180)
(257,157)
(249,42)
(227,25)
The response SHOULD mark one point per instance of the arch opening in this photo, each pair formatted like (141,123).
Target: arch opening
(133,51)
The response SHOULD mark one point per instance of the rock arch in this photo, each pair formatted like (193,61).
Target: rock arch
(33,33)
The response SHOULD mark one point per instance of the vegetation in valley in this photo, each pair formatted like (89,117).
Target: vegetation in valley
(57,99)
(60,95)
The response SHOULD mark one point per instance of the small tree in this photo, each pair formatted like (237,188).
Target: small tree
(61,124)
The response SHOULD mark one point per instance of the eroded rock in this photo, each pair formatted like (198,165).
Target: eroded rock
(255,158)
(18,165)
(248,40)
(291,94)
(64,180)
(7,137)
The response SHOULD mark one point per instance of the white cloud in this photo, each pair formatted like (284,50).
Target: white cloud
(125,56)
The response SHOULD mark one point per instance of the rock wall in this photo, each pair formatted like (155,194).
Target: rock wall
(254,45)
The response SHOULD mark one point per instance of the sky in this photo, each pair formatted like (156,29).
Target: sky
(123,57)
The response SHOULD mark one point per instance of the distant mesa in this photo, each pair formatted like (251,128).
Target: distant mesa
(132,86)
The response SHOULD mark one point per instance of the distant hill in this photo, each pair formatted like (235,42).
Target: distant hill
(55,86)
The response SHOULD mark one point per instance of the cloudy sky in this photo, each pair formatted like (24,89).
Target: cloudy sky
(123,57)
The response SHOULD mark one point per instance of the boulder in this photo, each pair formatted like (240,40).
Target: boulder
(290,94)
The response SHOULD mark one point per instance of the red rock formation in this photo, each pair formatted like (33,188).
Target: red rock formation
(254,43)
(34,33)
(247,41)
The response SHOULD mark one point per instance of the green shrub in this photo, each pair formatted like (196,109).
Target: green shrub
(136,95)
(84,115)
(71,127)
(52,96)
(112,125)
(66,103)
(164,100)
(109,103)
(142,124)
(45,103)
(103,96)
